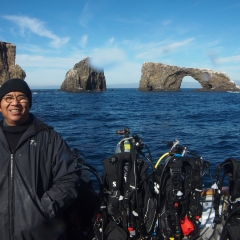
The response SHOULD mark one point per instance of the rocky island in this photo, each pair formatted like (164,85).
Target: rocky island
(161,77)
(8,69)
(84,77)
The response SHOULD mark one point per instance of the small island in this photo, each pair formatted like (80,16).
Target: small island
(83,77)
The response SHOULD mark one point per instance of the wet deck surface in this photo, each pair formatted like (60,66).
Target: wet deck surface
(207,226)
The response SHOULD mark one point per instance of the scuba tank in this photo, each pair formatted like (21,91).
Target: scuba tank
(123,146)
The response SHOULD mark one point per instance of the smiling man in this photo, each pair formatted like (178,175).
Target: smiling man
(16,102)
(37,173)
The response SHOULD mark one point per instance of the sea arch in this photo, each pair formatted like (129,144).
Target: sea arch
(162,77)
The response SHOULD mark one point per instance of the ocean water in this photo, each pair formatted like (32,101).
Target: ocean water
(206,122)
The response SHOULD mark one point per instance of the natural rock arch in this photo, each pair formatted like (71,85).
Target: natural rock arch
(161,77)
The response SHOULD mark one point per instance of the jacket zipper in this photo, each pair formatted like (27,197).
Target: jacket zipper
(11,222)
(11,191)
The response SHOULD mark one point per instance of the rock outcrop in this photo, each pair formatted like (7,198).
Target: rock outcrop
(83,77)
(161,77)
(8,69)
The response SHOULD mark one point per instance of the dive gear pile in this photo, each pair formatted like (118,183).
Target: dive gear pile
(137,200)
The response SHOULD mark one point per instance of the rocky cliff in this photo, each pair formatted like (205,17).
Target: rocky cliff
(161,77)
(8,69)
(83,77)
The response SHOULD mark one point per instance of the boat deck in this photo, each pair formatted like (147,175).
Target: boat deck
(207,226)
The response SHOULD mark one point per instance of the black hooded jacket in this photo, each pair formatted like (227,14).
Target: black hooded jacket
(37,182)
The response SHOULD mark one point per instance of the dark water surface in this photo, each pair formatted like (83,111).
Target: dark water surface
(206,122)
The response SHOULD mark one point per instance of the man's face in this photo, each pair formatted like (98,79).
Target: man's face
(15,108)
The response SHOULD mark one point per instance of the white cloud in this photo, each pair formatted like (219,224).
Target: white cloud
(58,42)
(86,16)
(36,26)
(33,49)
(231,71)
(107,57)
(232,59)
(153,50)
(38,61)
(45,71)
(171,47)
(166,22)
(126,72)
(214,43)
(45,77)
(110,42)
(83,41)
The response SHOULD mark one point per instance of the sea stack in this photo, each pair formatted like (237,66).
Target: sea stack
(8,69)
(83,77)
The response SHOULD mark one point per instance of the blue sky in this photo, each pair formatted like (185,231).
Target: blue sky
(119,36)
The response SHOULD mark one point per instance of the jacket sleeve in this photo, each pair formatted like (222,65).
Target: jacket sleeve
(65,183)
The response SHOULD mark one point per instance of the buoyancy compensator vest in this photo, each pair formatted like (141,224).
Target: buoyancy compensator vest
(230,215)
(128,191)
(178,183)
